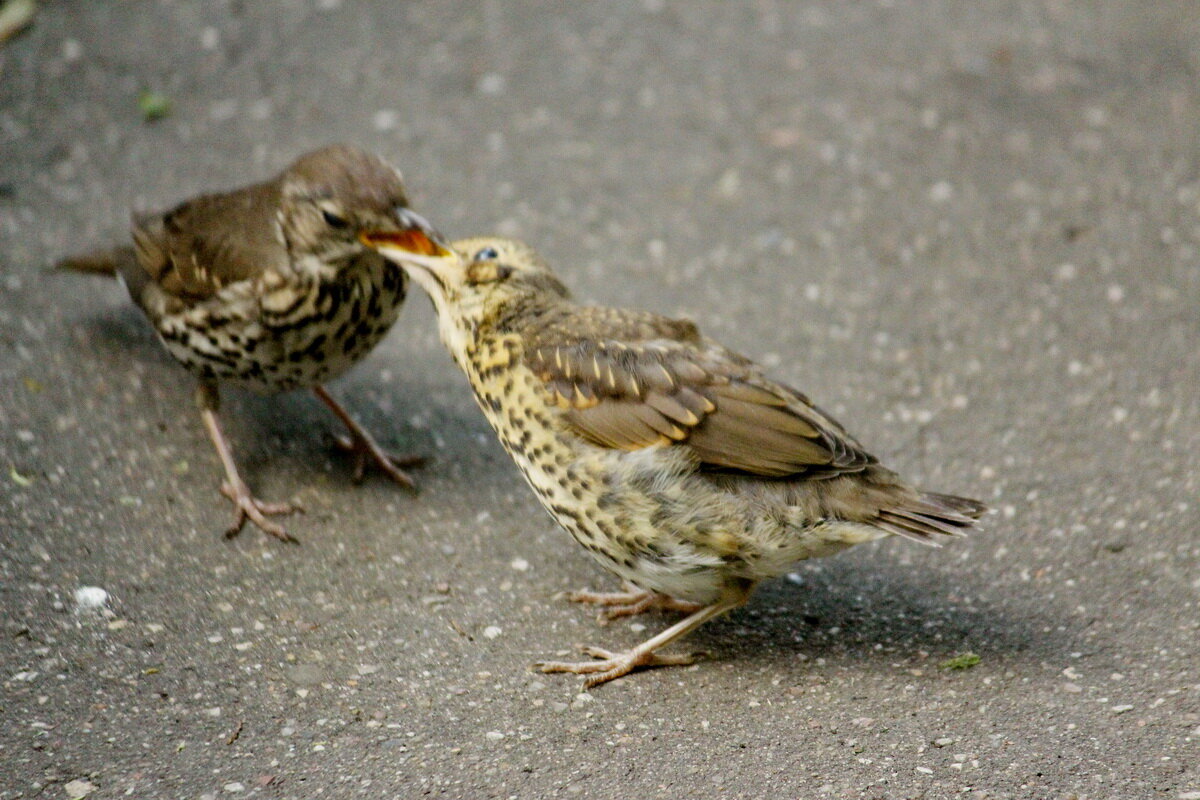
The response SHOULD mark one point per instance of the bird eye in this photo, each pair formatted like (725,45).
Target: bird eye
(487,254)
(334,221)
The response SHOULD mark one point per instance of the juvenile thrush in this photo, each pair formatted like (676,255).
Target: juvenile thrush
(680,465)
(268,287)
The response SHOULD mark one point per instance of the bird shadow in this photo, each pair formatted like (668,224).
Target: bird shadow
(120,335)
(283,431)
(867,610)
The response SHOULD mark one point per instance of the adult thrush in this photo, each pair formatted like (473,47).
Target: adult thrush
(268,287)
(680,465)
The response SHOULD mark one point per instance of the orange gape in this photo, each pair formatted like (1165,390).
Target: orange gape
(414,240)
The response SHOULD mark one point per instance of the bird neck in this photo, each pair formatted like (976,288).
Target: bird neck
(475,335)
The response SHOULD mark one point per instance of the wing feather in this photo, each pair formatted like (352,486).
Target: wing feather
(637,380)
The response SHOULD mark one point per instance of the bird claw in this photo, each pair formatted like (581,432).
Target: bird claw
(364,449)
(248,507)
(631,602)
(611,665)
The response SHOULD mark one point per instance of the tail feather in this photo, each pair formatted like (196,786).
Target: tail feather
(962,506)
(121,262)
(931,514)
(104,262)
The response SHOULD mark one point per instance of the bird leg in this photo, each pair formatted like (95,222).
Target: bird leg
(630,602)
(612,665)
(362,447)
(246,505)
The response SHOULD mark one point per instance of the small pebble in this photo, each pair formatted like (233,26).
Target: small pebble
(941,191)
(491,84)
(234,786)
(491,632)
(77,789)
(72,50)
(385,119)
(89,598)
(493,736)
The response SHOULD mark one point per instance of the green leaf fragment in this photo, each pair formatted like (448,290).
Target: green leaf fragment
(154,105)
(961,661)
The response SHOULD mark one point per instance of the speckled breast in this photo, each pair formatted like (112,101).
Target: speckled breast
(294,337)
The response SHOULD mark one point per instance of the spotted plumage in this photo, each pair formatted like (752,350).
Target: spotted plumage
(268,287)
(681,466)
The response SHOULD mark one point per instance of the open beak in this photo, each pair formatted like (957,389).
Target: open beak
(414,242)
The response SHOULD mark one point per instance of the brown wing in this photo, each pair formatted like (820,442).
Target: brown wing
(633,393)
(205,244)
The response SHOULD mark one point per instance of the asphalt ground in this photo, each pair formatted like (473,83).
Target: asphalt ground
(969,230)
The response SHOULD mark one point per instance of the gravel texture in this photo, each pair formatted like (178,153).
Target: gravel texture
(970,230)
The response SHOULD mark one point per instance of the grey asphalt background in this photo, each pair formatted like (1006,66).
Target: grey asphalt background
(970,230)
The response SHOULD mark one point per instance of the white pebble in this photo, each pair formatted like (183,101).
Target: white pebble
(491,632)
(491,84)
(235,786)
(78,788)
(941,191)
(90,597)
(385,119)
(493,736)
(519,564)
(72,50)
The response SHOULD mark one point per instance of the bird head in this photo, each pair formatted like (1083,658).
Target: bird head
(475,284)
(329,195)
